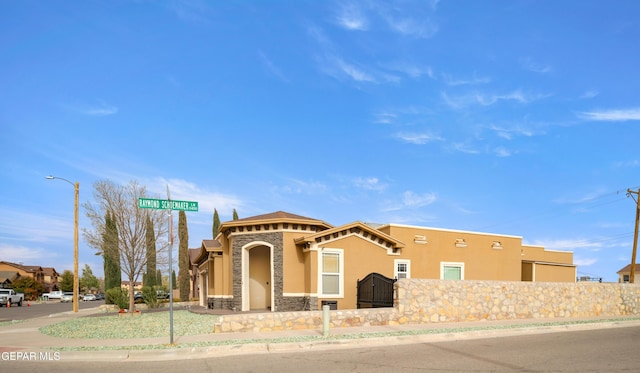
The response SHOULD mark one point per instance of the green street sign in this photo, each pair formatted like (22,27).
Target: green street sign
(165,204)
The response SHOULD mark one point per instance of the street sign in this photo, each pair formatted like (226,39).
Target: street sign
(166,204)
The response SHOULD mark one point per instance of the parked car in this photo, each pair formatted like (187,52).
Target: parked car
(89,297)
(66,297)
(9,297)
(161,294)
(56,294)
(100,296)
(137,297)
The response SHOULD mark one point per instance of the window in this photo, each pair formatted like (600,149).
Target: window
(625,278)
(451,271)
(331,273)
(402,268)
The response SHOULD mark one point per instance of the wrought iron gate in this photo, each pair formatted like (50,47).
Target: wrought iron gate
(375,290)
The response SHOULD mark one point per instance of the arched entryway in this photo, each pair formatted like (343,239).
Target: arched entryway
(257,273)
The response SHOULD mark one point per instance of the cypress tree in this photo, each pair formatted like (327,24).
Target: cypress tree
(216,223)
(235,214)
(183,257)
(174,286)
(111,254)
(150,238)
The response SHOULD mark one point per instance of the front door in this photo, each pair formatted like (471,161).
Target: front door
(259,278)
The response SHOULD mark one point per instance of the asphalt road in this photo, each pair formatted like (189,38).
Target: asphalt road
(41,309)
(600,350)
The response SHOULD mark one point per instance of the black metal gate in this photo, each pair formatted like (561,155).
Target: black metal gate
(375,290)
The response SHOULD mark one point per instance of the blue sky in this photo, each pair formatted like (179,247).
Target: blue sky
(509,117)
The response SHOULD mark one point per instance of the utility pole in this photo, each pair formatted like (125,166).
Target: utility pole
(632,273)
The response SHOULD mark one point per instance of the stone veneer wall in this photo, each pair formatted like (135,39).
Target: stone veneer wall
(432,301)
(273,238)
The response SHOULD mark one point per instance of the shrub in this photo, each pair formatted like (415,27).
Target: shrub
(117,296)
(150,296)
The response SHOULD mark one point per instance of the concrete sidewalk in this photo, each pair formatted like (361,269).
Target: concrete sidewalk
(25,337)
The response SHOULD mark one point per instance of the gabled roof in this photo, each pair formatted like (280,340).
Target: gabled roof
(49,271)
(9,275)
(274,215)
(23,267)
(193,255)
(202,253)
(274,218)
(627,268)
(365,231)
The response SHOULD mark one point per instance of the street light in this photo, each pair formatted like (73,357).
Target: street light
(76,186)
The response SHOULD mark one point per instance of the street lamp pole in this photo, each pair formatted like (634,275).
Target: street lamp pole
(76,283)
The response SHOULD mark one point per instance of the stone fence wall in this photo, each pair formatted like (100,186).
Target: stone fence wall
(431,301)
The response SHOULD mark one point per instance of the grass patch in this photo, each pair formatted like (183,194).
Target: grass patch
(145,325)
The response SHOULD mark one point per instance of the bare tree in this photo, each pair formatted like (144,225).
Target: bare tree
(122,203)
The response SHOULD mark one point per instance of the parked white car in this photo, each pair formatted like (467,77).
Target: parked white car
(56,294)
(9,297)
(89,297)
(66,297)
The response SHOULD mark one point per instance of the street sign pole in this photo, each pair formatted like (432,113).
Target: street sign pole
(168,204)
(170,271)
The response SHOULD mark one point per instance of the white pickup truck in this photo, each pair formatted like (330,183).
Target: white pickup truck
(9,297)
(56,294)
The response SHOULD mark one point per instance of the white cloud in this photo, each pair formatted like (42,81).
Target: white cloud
(583,262)
(41,228)
(23,254)
(589,94)
(297,186)
(464,148)
(98,110)
(354,72)
(569,244)
(632,163)
(369,183)
(502,152)
(535,67)
(612,115)
(272,67)
(412,70)
(189,10)
(351,17)
(510,133)
(411,27)
(385,117)
(449,80)
(410,200)
(487,99)
(417,138)
(101,110)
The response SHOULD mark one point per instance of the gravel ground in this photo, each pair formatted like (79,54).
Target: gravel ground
(154,324)
(145,325)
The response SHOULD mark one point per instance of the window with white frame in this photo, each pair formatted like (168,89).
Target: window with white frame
(332,273)
(451,271)
(402,268)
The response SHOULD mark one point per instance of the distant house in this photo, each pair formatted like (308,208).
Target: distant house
(7,278)
(286,262)
(35,272)
(193,272)
(126,285)
(51,277)
(625,273)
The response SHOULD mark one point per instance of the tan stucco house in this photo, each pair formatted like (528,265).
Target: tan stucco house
(35,272)
(285,262)
(624,274)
